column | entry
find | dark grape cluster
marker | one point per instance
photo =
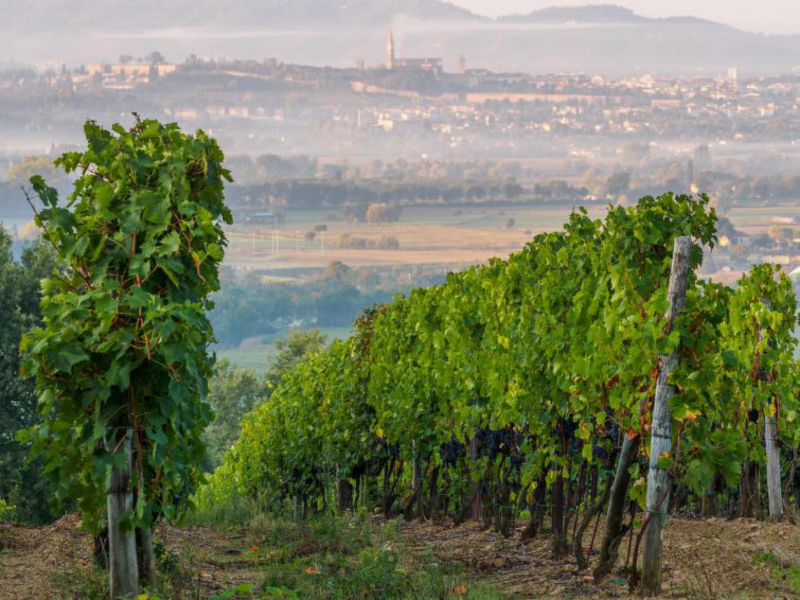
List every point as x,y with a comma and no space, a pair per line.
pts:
451,452
567,427
574,444
517,460
599,451
495,442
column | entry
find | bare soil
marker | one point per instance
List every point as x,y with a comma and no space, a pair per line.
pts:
703,559
706,559
31,558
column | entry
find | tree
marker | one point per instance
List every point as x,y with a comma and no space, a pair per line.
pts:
232,392
21,481
383,213
336,271
29,166
121,361
292,351
155,58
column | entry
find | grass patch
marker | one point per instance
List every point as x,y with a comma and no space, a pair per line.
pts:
784,577
239,553
358,559
72,584
353,557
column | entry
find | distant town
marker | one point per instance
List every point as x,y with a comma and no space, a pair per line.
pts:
409,98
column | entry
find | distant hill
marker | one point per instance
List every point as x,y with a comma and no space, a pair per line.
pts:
604,39
133,15
598,13
592,13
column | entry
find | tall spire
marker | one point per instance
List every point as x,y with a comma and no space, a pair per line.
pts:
390,51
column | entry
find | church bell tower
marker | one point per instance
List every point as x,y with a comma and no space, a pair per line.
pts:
390,51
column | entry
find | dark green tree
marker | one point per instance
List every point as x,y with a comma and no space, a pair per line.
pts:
22,483
232,393
293,350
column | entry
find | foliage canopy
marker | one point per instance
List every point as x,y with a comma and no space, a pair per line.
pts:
124,341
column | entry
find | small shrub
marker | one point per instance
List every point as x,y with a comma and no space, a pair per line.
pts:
352,242
388,242
383,213
6,509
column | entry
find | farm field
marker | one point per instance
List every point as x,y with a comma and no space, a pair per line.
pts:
446,236
703,559
757,219
255,353
450,237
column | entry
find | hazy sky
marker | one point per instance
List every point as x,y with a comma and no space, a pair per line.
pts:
768,16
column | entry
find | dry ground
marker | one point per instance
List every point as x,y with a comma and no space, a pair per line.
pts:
703,560
30,558
706,559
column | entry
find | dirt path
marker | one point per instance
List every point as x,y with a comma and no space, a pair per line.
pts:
707,559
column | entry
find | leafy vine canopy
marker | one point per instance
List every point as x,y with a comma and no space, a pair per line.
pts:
124,342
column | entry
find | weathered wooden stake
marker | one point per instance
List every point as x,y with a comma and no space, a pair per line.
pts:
661,430
123,566
774,492
344,495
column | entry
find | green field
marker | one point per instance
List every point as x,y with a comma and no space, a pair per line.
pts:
753,218
255,353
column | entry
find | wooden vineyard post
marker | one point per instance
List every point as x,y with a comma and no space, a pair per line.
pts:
661,430
774,494
122,562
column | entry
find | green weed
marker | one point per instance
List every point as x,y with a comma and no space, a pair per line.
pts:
782,575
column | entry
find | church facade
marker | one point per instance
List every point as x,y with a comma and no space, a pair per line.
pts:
435,65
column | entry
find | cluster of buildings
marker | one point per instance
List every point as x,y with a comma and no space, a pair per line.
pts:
434,65
123,75
416,99
724,106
